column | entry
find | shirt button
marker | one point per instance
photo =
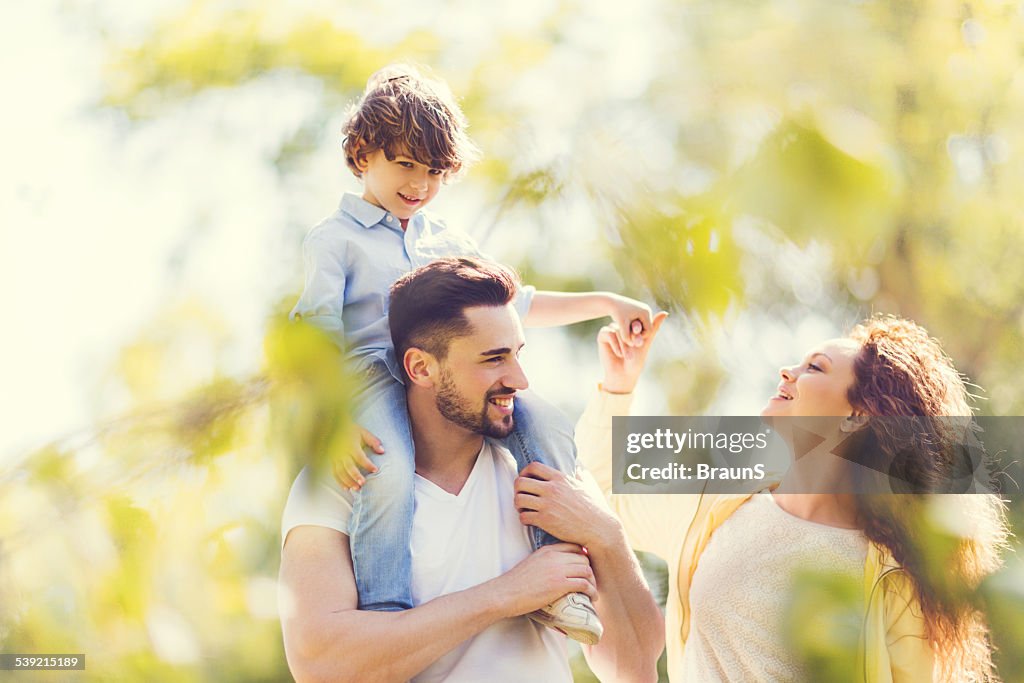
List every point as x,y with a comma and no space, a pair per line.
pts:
388,219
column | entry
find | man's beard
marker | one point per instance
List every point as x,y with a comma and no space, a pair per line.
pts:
458,410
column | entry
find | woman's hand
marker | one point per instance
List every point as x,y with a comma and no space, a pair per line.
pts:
623,364
632,319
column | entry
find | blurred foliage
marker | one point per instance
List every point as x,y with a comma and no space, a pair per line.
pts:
151,543
877,140
890,145
1004,604
313,393
824,620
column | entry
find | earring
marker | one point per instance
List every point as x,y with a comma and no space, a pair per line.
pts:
853,423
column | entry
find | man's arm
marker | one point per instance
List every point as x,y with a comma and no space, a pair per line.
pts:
327,639
634,633
634,629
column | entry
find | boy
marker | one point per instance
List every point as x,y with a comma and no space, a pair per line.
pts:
404,138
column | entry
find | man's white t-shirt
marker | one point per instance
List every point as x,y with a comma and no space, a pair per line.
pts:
457,542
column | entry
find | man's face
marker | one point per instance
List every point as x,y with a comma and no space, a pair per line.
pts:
481,373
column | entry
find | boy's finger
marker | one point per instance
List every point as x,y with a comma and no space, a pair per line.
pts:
343,477
355,476
638,329
624,339
371,441
364,462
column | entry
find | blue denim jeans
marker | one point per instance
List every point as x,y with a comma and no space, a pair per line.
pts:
381,525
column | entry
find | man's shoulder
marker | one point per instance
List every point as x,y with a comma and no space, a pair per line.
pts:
316,500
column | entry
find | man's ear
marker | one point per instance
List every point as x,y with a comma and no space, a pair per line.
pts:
853,423
421,367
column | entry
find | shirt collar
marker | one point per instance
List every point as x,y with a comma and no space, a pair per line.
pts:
365,213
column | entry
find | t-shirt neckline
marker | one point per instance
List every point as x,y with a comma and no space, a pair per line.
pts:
429,488
775,504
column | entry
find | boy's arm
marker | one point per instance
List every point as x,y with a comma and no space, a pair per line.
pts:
323,295
321,304
553,309
327,639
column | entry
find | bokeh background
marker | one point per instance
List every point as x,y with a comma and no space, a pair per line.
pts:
768,171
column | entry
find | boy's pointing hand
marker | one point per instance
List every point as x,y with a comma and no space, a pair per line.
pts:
622,364
633,319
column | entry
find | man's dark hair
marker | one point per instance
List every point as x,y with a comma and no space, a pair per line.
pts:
428,305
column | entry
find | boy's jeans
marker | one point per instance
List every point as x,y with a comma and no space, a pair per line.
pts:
381,524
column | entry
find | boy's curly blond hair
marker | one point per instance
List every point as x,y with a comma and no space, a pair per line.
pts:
405,111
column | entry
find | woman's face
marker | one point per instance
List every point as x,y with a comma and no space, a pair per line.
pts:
818,385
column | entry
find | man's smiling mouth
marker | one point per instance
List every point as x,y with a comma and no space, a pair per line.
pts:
504,403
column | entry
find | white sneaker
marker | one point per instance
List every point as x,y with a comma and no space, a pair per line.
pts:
574,615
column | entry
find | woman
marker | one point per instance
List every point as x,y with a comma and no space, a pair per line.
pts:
734,560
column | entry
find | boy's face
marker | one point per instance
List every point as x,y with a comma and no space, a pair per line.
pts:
401,185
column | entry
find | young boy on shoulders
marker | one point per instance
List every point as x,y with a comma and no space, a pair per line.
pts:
405,138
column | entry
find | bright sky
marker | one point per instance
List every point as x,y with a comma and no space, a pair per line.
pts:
103,225
99,221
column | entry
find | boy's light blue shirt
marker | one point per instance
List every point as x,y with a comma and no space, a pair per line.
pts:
354,256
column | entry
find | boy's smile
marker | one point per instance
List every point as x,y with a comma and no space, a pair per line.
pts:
401,186
411,201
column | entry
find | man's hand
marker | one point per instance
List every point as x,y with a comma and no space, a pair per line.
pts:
559,505
623,364
544,576
347,463
632,320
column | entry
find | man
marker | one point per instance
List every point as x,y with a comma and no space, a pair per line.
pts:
473,574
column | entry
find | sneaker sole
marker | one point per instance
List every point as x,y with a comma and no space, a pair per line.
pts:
583,636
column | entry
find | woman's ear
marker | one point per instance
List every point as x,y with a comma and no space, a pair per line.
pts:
853,423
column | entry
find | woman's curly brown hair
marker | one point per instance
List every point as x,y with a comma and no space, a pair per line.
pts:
403,111
902,372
